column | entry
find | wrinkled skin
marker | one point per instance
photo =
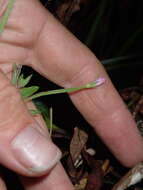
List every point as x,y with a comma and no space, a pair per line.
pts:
34,37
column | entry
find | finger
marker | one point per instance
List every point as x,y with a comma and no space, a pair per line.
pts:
24,148
55,180
63,59
2,183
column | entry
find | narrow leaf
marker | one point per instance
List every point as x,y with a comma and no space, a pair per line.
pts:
22,82
16,74
51,122
6,15
35,112
130,41
96,21
26,92
45,113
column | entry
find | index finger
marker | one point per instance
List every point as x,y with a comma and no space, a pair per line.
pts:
60,57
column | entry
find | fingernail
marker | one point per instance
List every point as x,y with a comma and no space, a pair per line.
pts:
34,151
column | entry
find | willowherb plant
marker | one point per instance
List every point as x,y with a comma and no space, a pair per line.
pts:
29,93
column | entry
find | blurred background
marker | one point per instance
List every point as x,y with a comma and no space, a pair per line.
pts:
109,28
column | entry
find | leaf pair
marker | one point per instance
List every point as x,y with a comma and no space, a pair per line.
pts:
28,93
20,82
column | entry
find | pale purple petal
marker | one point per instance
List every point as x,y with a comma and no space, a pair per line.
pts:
100,81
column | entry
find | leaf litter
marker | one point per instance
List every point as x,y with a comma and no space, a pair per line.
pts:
88,172
85,169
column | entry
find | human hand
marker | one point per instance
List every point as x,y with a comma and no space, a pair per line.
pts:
35,38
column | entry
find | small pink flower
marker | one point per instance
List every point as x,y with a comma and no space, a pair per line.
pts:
95,83
100,81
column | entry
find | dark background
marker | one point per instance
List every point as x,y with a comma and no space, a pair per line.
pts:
110,28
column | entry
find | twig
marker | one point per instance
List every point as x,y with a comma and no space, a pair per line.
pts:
131,178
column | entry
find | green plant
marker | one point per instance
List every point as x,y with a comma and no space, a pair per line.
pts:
6,15
31,92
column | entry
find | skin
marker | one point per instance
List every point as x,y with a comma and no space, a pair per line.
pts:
2,184
33,37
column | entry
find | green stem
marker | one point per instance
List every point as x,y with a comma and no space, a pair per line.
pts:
68,90
51,122
6,15
51,92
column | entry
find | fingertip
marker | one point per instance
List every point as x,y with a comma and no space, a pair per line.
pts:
2,183
35,152
56,179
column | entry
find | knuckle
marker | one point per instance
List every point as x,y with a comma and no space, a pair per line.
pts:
82,75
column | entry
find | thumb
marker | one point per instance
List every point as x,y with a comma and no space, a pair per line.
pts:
23,147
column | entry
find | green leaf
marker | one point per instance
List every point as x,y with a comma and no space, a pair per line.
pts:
35,112
22,82
5,17
46,116
16,74
28,91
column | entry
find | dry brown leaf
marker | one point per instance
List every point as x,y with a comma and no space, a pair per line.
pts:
131,178
81,185
66,9
77,143
95,174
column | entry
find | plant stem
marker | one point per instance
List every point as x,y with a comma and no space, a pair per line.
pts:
6,15
51,122
93,84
